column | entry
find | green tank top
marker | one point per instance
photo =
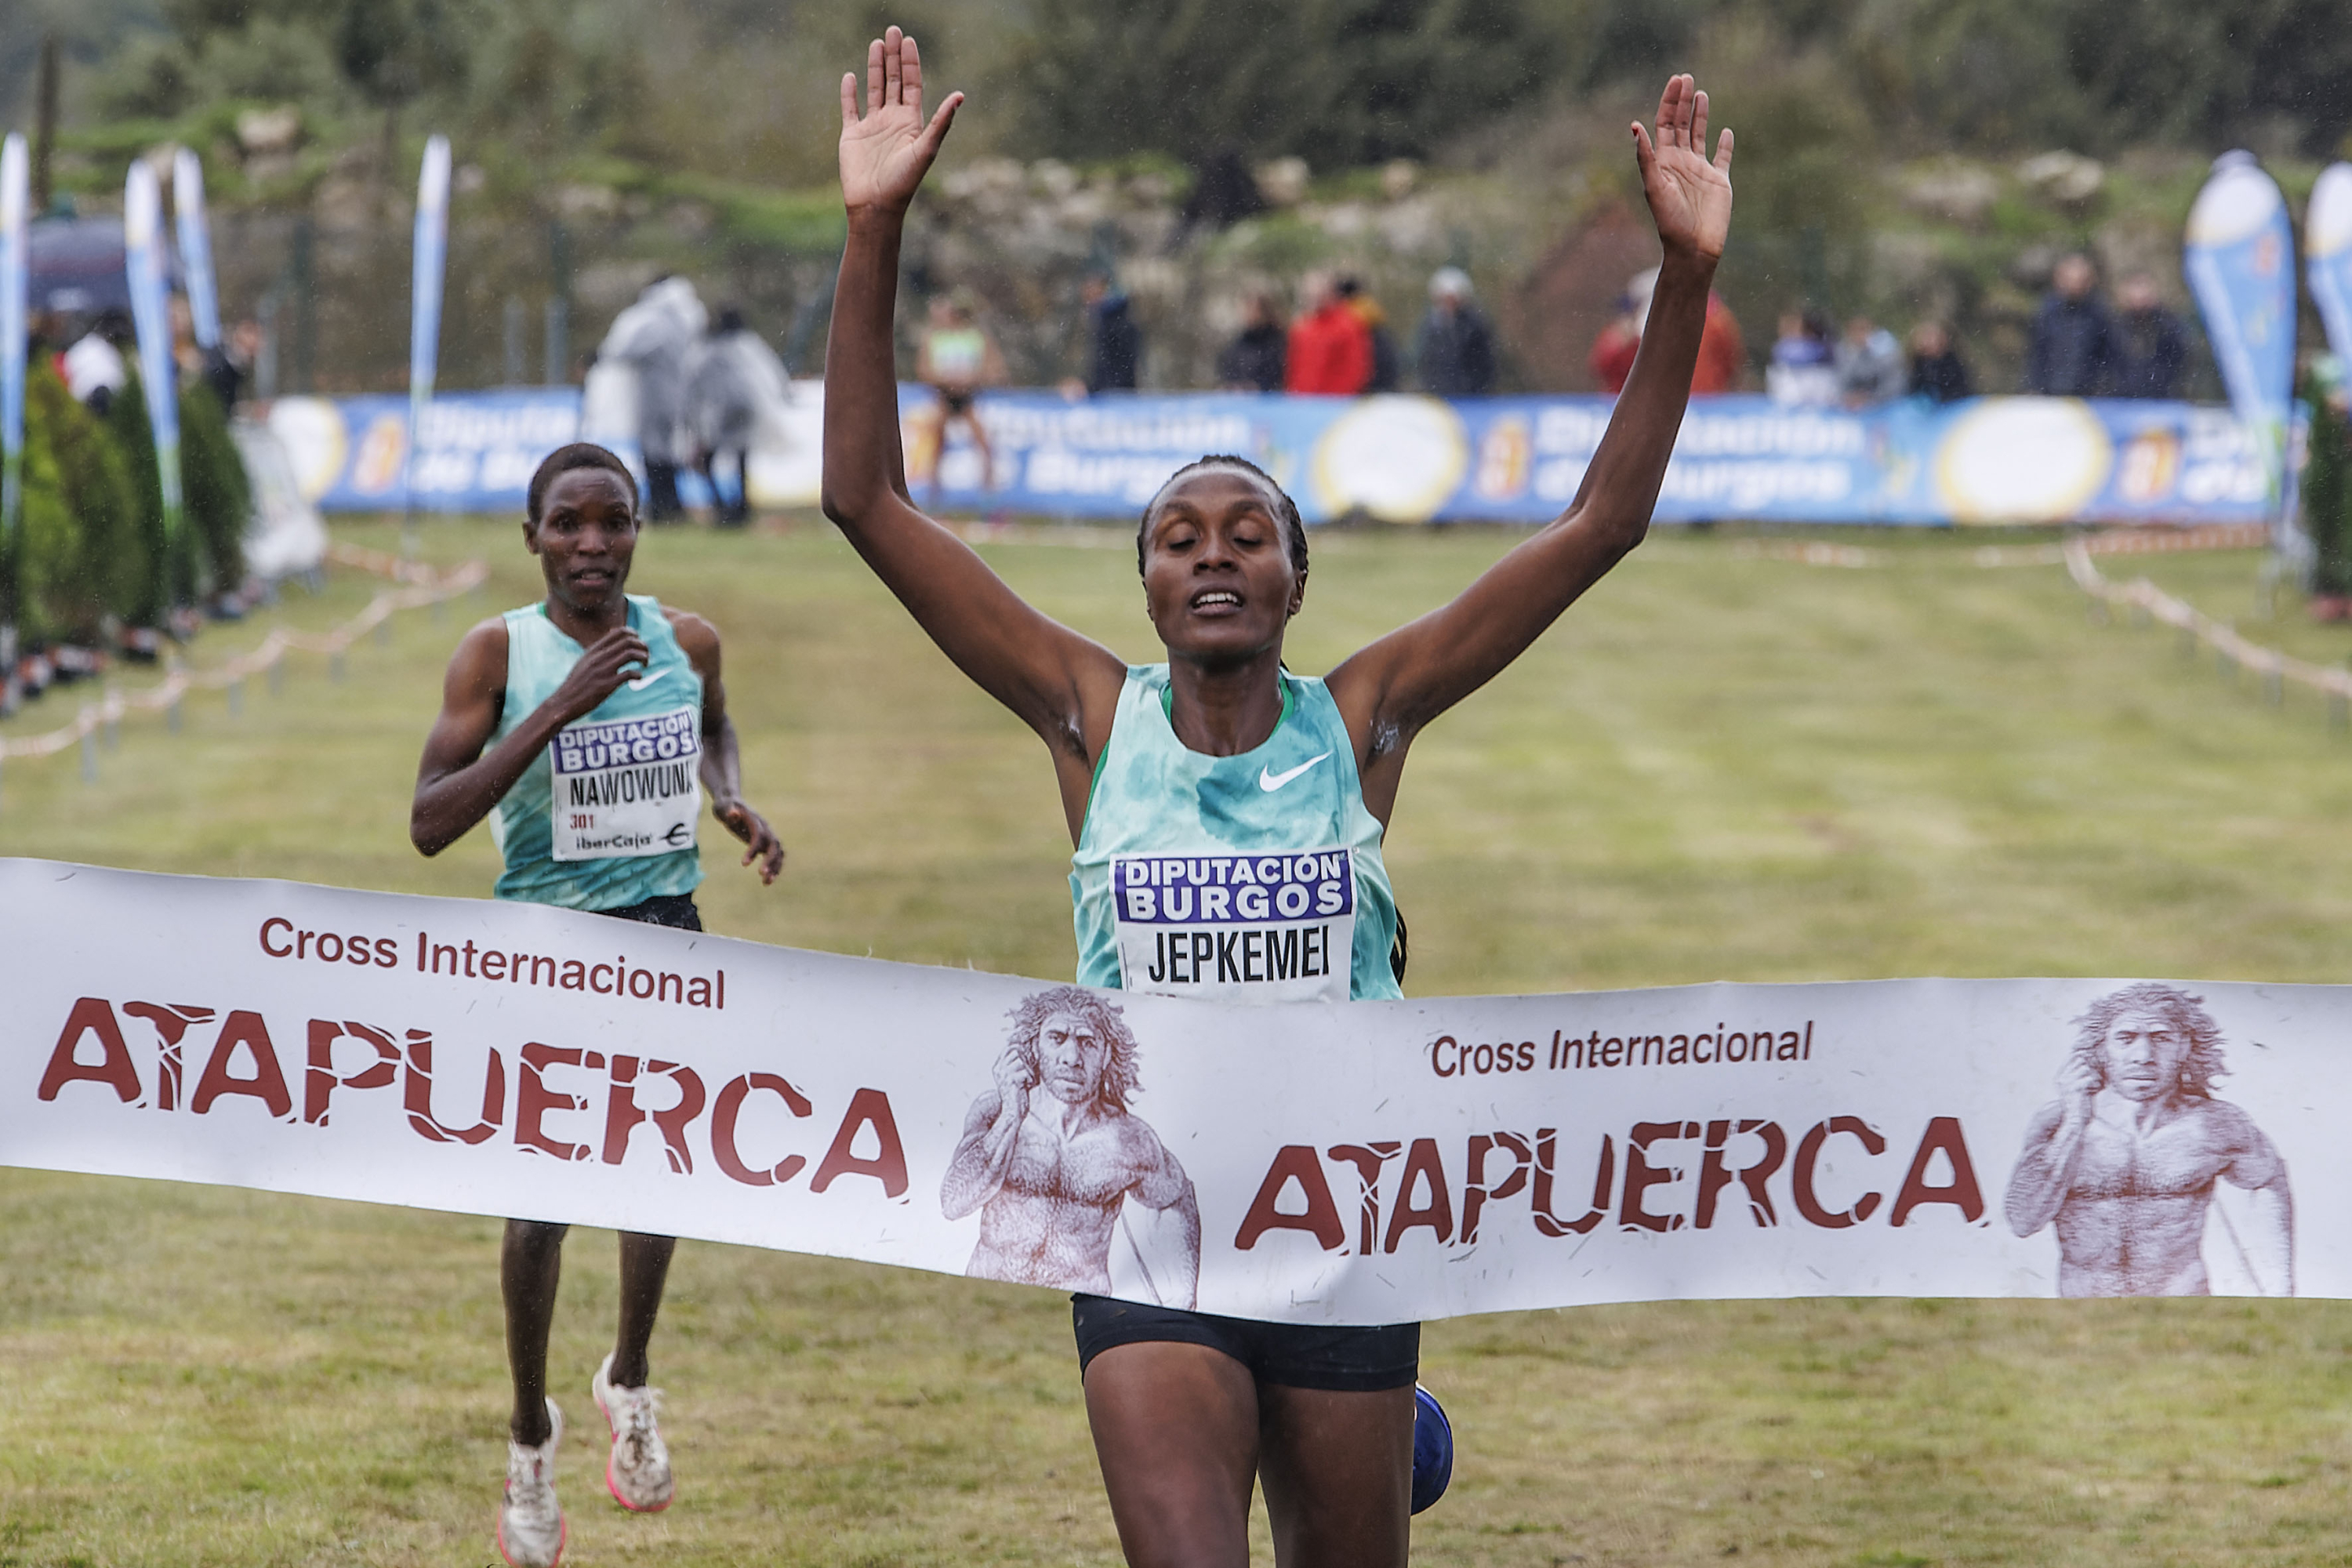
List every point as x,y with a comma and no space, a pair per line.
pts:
605,818
1251,878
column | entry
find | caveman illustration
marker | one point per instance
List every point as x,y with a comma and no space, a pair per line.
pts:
2124,1160
1051,1157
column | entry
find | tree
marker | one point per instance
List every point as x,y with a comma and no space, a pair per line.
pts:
1338,81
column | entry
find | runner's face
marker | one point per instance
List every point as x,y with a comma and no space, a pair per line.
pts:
2144,1052
1217,578
585,537
1070,1055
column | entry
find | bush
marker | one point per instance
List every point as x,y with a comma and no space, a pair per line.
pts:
218,496
160,584
79,558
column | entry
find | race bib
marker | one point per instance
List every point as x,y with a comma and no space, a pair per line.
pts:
626,786
1245,927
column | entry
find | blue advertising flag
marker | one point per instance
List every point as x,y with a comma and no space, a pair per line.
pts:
2327,252
2239,261
14,200
425,319
142,256
195,237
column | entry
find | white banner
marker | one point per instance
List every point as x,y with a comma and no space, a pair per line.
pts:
1350,1162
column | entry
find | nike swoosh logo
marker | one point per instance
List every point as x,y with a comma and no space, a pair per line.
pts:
641,682
1272,782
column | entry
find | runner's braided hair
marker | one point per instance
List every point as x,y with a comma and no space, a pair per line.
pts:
563,460
1285,511
1120,1078
2184,1013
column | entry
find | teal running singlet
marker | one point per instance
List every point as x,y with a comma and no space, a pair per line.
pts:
1256,878
604,818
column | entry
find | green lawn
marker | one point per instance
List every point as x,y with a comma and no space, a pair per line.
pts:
1722,767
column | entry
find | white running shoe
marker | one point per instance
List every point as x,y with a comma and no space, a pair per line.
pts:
530,1521
638,1475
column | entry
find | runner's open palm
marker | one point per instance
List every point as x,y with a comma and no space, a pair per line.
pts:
885,155
1690,197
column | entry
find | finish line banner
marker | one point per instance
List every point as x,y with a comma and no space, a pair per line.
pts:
1352,1162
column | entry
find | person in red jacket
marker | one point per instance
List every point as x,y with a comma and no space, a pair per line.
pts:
1722,355
1330,347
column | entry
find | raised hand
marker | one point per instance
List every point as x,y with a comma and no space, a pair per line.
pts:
886,155
619,655
1690,197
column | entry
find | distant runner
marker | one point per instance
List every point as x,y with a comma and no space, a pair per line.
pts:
604,720
1222,753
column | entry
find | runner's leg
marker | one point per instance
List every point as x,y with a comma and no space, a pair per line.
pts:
530,1262
1338,1472
644,1268
1176,1431
987,458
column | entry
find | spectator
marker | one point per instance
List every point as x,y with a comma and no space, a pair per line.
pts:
955,360
731,379
1388,367
653,338
1869,365
2147,348
1456,352
94,368
1722,352
1611,360
1330,350
2072,345
1802,372
1114,350
1938,372
1253,362
229,367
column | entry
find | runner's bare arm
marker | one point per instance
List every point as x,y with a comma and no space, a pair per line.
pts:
1063,685
457,783
722,763
1396,685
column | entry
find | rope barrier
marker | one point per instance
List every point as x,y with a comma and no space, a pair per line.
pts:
2199,629
424,587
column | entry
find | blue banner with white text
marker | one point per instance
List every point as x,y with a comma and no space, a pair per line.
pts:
1399,460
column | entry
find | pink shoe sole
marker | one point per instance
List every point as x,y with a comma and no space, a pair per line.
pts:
562,1539
613,1434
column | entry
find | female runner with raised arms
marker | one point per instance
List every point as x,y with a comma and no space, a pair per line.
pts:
1220,750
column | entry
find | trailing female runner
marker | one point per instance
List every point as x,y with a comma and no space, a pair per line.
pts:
552,702
1223,750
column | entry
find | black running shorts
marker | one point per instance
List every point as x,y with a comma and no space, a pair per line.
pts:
675,910
1287,1355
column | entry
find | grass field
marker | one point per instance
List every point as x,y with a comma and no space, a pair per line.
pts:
1722,767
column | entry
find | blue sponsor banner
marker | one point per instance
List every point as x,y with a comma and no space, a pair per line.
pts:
1520,459
475,450
1403,460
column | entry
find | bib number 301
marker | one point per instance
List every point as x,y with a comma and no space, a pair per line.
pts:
626,786
1247,928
